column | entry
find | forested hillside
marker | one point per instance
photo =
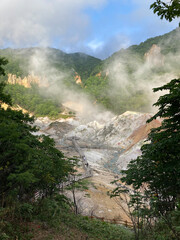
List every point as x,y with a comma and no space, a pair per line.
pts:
31,100
121,82
19,61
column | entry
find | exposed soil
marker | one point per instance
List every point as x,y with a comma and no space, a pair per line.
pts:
107,148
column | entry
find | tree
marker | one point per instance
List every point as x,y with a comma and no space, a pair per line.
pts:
132,204
4,98
169,10
77,185
155,175
159,165
157,171
28,163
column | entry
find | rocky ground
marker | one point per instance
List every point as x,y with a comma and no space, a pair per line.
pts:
108,147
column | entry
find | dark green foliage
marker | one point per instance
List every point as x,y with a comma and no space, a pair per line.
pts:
94,72
168,10
3,62
159,164
156,173
33,101
157,170
19,61
93,228
4,97
165,229
28,164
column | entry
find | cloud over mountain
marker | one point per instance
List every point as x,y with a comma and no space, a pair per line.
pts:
43,22
96,27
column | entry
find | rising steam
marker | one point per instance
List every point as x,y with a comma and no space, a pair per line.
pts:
53,80
129,74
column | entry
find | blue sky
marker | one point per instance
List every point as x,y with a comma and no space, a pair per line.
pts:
96,27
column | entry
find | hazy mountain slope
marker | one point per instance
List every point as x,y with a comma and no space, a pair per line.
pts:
169,43
19,60
120,83
50,69
128,76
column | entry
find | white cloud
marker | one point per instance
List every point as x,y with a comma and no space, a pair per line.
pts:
113,44
40,22
95,44
141,23
66,24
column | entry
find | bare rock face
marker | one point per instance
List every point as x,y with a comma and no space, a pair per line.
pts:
58,128
116,133
27,81
108,147
154,56
113,144
77,78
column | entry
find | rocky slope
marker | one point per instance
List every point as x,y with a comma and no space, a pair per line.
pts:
106,144
108,147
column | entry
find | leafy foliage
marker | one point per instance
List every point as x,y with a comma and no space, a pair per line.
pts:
33,101
159,164
29,165
94,72
96,229
169,10
155,175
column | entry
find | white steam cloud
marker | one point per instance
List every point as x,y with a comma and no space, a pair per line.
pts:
53,80
127,76
153,71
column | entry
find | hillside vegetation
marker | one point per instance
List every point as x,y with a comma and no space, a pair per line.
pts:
31,100
124,72
32,173
114,82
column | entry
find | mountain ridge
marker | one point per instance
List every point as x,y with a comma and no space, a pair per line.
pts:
113,82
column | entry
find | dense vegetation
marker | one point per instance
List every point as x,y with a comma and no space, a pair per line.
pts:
31,100
154,206
98,76
32,171
20,61
31,166
168,10
28,164
155,175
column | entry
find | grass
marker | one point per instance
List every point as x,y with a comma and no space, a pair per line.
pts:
78,225
53,219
